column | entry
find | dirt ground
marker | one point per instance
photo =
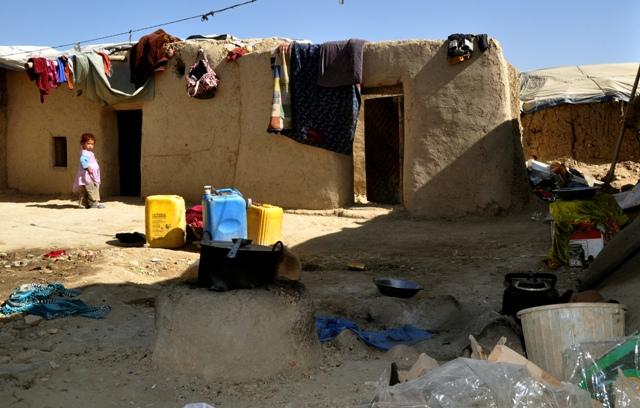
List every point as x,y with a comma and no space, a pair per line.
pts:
79,362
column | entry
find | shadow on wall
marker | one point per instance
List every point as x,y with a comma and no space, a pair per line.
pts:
480,170
479,181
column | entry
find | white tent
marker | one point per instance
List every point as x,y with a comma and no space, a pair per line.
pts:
576,84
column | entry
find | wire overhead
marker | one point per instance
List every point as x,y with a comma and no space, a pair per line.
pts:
203,17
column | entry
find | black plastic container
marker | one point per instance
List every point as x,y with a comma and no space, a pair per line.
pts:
575,193
223,267
525,290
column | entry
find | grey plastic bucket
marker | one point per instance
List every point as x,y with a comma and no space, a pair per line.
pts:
550,330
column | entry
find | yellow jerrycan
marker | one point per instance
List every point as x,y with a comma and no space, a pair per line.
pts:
264,224
165,224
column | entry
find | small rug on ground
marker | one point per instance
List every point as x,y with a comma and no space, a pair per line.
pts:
50,301
329,327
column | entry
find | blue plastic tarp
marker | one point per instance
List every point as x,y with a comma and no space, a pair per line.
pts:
329,327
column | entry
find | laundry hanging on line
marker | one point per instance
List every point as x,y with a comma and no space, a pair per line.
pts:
44,72
50,73
281,103
340,63
151,53
94,84
320,116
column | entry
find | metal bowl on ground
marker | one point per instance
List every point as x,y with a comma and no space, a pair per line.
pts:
401,288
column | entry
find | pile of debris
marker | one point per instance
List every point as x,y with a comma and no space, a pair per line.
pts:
504,378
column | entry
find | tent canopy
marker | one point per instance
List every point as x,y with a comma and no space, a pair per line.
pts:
549,87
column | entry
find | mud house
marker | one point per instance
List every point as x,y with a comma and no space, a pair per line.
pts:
577,111
440,139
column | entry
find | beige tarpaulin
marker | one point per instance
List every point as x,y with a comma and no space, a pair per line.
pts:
576,84
91,79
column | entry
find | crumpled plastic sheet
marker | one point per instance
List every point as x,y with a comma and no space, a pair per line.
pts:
596,366
473,383
626,391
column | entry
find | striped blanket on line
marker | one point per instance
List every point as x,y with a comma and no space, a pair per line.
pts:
281,105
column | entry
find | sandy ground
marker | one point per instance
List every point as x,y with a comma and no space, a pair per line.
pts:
79,362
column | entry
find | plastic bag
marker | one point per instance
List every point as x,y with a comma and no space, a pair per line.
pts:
202,81
472,383
595,367
626,391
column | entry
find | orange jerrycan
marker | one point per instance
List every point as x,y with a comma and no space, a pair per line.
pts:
165,223
264,224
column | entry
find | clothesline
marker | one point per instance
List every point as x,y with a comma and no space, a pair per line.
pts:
111,57
203,17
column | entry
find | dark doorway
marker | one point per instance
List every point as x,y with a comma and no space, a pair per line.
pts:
129,145
383,141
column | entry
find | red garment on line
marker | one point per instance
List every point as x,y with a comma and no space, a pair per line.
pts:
106,62
236,53
45,77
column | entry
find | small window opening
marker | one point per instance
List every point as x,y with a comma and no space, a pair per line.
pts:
59,151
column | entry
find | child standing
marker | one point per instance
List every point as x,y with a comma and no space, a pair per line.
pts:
87,181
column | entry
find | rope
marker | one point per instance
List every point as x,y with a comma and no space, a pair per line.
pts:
202,17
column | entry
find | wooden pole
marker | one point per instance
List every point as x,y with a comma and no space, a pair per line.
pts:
608,178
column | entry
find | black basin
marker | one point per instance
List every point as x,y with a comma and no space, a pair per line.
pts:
575,193
397,287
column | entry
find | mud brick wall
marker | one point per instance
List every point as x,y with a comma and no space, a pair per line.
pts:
585,132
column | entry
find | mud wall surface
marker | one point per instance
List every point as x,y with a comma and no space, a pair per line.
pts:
236,336
461,141
359,163
586,132
188,142
222,141
31,126
461,149
3,128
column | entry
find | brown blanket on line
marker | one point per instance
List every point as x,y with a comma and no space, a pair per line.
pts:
149,54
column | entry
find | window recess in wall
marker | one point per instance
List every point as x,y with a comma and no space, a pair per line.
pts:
59,151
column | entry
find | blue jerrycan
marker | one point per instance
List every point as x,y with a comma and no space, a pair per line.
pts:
224,214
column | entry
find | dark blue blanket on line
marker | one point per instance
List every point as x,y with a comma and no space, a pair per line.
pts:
329,327
322,117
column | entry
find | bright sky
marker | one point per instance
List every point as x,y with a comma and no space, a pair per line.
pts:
533,33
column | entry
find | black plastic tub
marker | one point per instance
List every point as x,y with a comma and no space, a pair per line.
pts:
251,266
397,287
575,193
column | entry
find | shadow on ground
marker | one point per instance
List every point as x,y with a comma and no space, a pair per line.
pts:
53,206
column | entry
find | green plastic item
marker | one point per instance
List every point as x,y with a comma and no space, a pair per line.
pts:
599,376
